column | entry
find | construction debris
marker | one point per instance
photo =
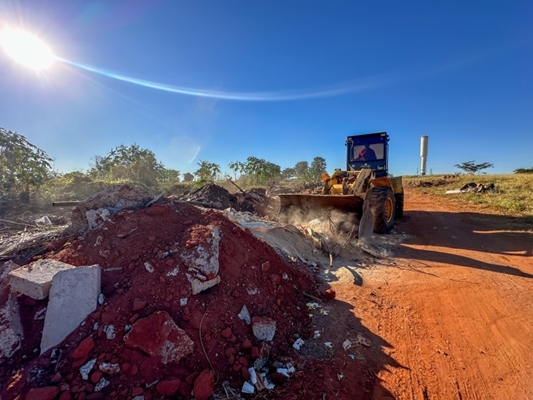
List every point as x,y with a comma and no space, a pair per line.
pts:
473,187
147,297
180,312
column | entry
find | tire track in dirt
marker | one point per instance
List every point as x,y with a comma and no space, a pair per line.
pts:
462,320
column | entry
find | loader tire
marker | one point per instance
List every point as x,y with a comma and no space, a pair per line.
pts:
398,209
381,202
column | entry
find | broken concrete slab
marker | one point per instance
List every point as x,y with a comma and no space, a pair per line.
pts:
11,332
73,296
90,213
158,335
202,258
34,280
264,328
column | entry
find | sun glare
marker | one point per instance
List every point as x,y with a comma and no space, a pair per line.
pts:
26,49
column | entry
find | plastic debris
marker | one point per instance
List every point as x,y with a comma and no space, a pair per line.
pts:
328,345
316,335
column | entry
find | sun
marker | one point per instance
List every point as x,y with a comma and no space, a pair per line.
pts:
26,49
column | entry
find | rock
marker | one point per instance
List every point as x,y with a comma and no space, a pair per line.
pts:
86,368
204,385
246,344
73,296
168,387
109,368
245,315
158,335
264,328
138,304
44,393
226,333
329,294
35,279
95,377
65,395
275,279
85,346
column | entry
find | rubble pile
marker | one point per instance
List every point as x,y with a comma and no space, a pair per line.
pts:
217,197
190,302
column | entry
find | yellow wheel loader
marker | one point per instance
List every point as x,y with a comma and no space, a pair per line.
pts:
364,188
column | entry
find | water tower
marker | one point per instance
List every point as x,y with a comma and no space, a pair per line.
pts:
423,154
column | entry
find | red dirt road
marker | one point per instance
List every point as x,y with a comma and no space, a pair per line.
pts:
451,313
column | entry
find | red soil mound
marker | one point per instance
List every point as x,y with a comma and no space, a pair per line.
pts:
143,258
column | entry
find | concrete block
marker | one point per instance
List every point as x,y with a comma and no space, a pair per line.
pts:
11,332
34,280
73,296
264,328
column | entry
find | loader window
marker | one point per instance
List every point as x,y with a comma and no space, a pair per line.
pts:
368,152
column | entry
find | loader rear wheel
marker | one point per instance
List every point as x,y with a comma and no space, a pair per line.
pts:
382,204
398,211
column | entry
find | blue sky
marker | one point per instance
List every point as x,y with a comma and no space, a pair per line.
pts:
306,73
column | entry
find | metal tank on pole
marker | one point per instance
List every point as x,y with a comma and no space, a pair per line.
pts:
423,154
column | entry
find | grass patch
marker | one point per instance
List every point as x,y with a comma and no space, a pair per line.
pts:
513,193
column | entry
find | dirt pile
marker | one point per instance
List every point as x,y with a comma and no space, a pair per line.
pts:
189,301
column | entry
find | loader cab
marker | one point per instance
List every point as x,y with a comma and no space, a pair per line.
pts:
368,151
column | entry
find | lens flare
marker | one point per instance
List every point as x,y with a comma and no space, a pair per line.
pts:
26,49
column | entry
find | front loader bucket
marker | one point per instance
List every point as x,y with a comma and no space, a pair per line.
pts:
309,204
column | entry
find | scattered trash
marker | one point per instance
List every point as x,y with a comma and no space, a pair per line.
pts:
473,187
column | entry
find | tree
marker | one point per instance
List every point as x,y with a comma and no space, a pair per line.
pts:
288,173
207,172
168,177
22,164
260,170
237,167
129,163
318,167
302,170
471,167
188,177
523,171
